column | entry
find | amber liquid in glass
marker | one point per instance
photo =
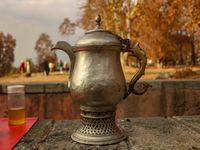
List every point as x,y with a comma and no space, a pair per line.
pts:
16,116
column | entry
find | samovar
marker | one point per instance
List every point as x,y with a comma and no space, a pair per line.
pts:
97,83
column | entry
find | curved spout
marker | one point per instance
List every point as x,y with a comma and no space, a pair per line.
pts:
66,47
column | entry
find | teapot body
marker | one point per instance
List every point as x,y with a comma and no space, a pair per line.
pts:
98,78
97,82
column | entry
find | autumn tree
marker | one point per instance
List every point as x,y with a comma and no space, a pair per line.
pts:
151,28
188,21
191,20
43,48
67,27
165,29
7,45
117,16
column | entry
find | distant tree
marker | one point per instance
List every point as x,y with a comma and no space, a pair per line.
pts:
43,48
7,45
67,27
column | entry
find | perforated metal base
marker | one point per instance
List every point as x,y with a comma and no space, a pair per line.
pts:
98,128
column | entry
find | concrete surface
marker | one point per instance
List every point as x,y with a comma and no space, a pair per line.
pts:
156,133
61,87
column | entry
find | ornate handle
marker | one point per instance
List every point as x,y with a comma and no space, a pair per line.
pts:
140,55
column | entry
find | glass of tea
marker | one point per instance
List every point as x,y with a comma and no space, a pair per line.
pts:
16,104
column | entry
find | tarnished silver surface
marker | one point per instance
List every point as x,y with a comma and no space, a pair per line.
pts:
97,82
98,79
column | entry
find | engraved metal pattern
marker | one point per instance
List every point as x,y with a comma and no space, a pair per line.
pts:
100,126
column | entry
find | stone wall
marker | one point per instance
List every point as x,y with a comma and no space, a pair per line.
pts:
166,98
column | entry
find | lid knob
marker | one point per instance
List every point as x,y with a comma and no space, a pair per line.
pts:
98,19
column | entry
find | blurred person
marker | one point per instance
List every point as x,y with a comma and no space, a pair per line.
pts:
65,66
28,69
22,67
51,66
45,65
61,66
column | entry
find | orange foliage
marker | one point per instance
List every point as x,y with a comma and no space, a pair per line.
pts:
164,28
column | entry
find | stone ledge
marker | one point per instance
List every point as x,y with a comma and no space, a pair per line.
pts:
142,133
34,88
36,135
38,87
61,87
191,122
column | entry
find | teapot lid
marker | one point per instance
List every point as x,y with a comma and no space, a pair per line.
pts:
98,37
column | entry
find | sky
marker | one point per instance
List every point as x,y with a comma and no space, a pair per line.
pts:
26,20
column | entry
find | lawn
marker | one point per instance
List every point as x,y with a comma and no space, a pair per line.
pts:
57,76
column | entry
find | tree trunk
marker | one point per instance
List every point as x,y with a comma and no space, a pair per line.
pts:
193,53
181,54
128,24
119,32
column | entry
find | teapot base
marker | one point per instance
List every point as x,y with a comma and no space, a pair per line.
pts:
98,128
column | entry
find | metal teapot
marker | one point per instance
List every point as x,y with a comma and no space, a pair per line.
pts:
97,82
